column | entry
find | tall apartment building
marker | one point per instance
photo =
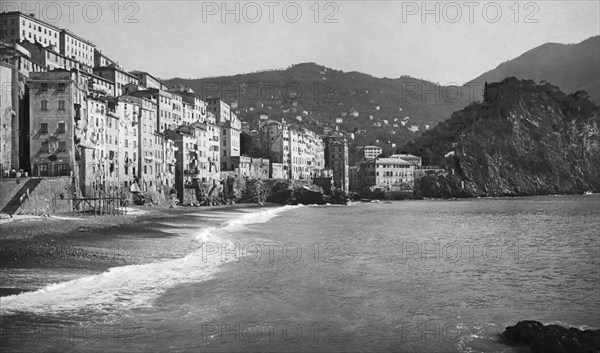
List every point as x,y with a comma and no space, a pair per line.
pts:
148,169
177,113
336,158
128,141
17,27
56,100
194,109
165,113
314,153
214,147
93,162
9,123
220,108
274,136
191,156
230,142
77,48
300,151
119,77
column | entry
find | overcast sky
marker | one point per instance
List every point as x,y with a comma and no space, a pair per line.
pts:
381,38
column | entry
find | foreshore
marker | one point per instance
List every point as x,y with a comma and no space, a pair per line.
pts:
92,244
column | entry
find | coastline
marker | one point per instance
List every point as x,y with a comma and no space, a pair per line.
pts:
70,242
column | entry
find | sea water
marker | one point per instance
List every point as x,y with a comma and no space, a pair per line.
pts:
409,276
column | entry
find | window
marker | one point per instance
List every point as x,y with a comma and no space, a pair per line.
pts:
62,146
61,127
61,85
61,105
43,169
44,86
43,128
62,169
44,105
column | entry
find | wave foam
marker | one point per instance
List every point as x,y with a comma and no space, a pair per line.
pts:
133,285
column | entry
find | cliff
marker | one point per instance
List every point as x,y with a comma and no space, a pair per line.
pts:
523,139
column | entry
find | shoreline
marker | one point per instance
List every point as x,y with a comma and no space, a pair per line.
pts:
69,242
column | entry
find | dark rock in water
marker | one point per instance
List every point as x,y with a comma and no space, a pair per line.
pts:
281,197
552,338
308,197
299,195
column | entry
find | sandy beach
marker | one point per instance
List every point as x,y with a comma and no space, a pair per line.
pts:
83,245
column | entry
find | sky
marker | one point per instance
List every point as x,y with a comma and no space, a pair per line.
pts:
441,41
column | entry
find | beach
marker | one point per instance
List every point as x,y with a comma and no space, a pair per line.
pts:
84,245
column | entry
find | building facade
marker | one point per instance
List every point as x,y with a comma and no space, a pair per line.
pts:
55,109
371,152
386,174
336,159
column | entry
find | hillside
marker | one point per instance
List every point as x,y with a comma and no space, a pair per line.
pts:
571,67
378,110
523,139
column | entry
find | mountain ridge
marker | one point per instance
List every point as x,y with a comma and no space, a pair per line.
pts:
572,67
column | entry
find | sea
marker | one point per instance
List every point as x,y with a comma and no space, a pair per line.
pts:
400,276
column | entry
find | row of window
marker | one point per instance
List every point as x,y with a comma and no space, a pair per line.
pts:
44,128
60,147
44,105
60,86
60,169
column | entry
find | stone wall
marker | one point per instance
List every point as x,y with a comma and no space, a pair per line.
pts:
46,199
8,189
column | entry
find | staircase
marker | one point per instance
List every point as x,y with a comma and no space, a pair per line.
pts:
19,198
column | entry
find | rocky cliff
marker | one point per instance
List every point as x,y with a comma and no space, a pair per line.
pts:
523,139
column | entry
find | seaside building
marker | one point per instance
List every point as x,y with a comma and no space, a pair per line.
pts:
145,143
386,174
9,122
93,164
55,109
354,178
336,158
230,142
300,151
189,163
251,167
214,150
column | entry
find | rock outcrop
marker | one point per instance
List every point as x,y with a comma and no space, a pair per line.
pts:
523,139
552,338
299,195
